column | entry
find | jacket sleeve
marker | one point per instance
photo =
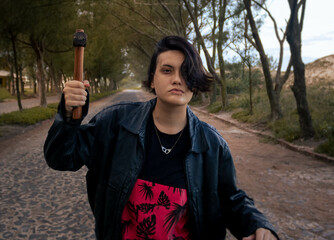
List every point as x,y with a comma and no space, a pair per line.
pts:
69,145
242,217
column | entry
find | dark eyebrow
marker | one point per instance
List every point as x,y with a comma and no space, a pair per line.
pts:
167,65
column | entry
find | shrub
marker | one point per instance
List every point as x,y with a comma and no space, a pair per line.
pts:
285,128
29,116
36,114
97,96
4,94
215,107
327,147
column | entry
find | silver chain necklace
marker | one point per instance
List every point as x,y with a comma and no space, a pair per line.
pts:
163,149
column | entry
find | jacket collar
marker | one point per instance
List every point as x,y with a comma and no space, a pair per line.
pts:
136,123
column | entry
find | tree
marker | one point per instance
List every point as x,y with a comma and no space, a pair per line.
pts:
245,51
221,39
201,41
295,27
45,32
11,26
273,86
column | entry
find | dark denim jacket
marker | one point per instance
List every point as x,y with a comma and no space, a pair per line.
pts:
111,145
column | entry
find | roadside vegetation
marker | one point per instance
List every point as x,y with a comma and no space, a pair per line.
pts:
321,104
36,114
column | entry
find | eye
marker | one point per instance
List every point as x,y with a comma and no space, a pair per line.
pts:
166,70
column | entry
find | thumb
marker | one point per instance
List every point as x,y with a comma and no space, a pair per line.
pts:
251,237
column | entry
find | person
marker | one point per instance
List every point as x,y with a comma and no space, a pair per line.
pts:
155,171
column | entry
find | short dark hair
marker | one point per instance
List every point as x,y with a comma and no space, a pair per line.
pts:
192,69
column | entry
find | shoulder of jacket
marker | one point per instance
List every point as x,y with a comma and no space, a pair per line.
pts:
118,110
212,133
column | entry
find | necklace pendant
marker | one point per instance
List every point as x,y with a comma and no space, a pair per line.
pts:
165,150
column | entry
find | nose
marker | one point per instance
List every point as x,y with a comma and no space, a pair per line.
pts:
177,79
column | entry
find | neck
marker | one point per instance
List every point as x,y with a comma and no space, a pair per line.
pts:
170,120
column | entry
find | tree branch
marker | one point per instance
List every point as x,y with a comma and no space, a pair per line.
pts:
303,14
271,17
141,49
133,28
141,15
164,6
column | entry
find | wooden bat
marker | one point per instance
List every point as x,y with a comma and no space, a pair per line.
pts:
79,44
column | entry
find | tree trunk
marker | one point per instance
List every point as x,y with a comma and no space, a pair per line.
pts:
13,39
275,110
213,94
12,81
21,81
39,51
299,86
35,86
221,22
250,89
200,40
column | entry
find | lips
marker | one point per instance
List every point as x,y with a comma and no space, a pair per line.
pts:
176,90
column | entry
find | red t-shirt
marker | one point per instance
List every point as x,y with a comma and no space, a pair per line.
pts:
155,211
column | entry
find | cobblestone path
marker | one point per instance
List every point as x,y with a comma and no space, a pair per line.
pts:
37,202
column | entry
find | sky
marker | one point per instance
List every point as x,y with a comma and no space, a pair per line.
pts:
317,34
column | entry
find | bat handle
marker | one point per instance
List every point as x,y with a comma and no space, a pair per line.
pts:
78,75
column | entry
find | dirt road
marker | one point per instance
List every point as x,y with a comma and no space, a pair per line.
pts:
295,192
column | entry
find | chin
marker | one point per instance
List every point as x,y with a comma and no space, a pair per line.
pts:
179,102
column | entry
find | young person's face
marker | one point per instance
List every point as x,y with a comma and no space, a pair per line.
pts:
168,83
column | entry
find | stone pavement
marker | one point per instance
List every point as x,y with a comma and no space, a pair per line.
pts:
39,203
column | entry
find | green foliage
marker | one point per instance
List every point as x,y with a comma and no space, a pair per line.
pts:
215,107
29,116
238,81
326,147
97,96
286,128
4,94
234,86
321,103
36,114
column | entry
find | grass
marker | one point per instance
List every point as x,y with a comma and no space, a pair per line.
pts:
4,94
321,105
215,107
97,96
326,147
29,116
34,115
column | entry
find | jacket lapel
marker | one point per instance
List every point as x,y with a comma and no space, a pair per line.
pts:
136,123
197,136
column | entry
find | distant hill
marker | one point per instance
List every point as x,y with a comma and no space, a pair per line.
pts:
321,71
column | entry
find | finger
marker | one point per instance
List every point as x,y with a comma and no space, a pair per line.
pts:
74,97
260,233
74,91
72,104
75,84
251,237
269,236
